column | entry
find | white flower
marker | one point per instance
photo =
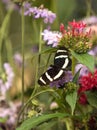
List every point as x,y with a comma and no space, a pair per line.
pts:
51,37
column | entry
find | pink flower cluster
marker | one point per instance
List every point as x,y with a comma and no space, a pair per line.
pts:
75,29
87,83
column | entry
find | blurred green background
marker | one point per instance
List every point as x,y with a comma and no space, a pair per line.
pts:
66,10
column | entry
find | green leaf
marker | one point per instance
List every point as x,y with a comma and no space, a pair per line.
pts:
34,121
71,99
92,98
5,25
85,59
76,77
48,125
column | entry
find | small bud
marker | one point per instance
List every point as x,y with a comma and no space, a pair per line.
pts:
70,87
35,102
82,47
32,113
54,106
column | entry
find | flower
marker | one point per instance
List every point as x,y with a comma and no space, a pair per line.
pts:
51,37
83,99
93,51
6,78
74,29
40,12
77,25
75,38
87,83
27,5
67,78
84,70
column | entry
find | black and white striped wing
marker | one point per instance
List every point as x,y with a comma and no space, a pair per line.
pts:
52,74
61,59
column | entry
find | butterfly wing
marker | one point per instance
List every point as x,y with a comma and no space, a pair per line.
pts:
61,59
53,73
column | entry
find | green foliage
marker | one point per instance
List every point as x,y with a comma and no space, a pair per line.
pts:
4,27
92,98
48,125
76,77
10,33
85,59
71,99
34,121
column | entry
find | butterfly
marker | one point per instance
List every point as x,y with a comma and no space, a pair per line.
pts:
56,71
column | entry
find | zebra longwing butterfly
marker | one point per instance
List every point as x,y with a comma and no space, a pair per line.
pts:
56,71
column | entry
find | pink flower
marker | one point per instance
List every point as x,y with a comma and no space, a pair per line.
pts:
88,81
75,29
77,25
83,99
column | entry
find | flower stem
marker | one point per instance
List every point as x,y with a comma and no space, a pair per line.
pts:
40,42
86,126
69,124
73,65
39,56
89,8
23,31
30,99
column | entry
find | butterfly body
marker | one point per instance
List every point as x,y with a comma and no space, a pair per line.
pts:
56,71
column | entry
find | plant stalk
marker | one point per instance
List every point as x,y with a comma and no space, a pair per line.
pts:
23,32
29,100
39,56
69,124
73,65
